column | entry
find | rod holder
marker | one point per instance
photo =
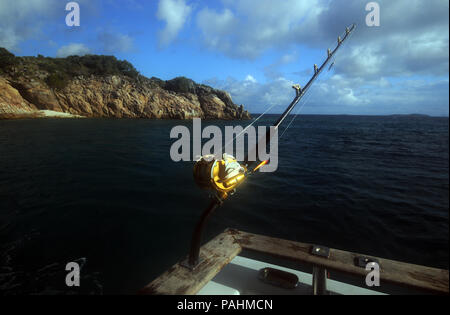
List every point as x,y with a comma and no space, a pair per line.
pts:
319,282
194,254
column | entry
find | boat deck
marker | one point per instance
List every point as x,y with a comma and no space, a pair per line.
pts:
240,277
238,273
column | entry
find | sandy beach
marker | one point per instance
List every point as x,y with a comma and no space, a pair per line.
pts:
53,114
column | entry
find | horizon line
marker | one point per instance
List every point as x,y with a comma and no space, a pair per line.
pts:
382,115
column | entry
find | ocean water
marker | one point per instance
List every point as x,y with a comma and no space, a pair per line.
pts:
105,193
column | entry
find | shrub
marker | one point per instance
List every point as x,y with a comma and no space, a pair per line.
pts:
57,80
7,59
62,69
181,84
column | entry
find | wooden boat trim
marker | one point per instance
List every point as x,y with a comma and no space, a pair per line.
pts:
180,280
409,275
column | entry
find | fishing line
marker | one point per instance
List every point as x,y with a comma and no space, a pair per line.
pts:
235,137
294,116
208,174
305,101
320,78
259,117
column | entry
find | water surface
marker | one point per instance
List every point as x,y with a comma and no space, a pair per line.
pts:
107,191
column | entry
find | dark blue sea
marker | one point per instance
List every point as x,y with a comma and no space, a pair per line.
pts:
105,193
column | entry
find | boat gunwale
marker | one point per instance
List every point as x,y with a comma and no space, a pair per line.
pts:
221,250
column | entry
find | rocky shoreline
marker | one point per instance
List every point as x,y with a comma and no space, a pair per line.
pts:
30,85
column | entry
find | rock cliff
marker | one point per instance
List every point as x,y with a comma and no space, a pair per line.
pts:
102,86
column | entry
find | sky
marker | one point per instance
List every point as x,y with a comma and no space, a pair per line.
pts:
257,49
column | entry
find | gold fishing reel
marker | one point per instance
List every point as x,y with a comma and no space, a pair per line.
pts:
221,176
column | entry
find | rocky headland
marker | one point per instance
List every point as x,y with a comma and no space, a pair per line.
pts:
102,86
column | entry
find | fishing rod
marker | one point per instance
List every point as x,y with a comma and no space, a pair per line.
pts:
222,177
300,92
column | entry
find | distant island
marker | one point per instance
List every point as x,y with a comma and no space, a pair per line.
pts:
410,115
102,86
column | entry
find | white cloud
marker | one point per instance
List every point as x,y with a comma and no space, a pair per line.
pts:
341,95
245,29
215,27
72,50
22,19
175,13
250,78
374,72
255,96
413,37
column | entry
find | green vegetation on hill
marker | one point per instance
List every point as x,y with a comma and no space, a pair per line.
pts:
181,85
7,59
62,70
